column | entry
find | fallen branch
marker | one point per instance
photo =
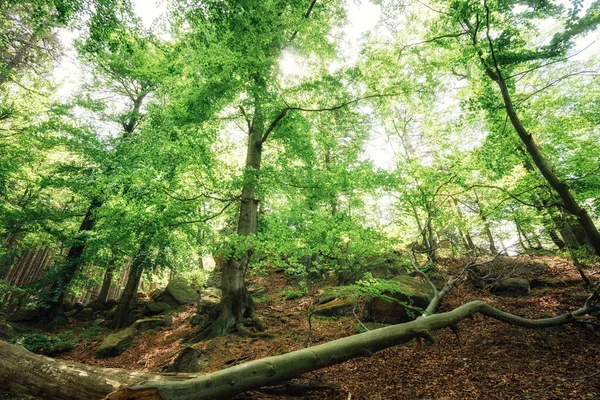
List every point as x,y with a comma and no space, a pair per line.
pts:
51,379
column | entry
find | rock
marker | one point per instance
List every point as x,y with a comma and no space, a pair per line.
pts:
414,293
26,315
211,293
157,307
86,314
59,322
257,290
6,331
206,306
386,271
187,360
115,344
514,287
181,291
336,307
145,324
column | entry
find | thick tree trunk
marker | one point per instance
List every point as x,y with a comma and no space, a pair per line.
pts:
62,380
27,374
128,299
236,304
73,261
106,282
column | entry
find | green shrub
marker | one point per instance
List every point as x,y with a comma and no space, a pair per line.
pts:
40,343
91,333
291,294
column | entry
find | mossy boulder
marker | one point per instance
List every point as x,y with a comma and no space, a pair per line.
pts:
145,324
178,292
187,360
181,291
403,305
115,344
512,287
27,315
337,307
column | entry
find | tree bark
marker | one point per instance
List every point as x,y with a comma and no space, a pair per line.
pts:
27,374
236,303
106,282
535,151
128,299
71,266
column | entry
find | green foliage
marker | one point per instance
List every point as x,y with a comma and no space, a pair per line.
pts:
369,287
52,345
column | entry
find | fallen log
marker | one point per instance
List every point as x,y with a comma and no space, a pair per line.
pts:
22,372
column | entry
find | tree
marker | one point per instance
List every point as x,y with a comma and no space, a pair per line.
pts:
509,55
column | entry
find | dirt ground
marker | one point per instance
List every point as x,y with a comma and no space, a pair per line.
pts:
487,360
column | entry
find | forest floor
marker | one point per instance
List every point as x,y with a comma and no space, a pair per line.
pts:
488,360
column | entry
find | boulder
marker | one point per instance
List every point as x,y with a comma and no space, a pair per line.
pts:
6,331
337,307
386,271
86,314
513,287
158,307
115,344
187,360
181,291
26,315
401,306
145,324
205,306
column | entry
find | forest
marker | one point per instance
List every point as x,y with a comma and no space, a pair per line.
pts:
318,199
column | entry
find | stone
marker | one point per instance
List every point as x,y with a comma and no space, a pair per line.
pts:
27,315
145,324
157,307
6,331
187,360
86,314
206,306
513,287
337,307
115,344
181,291
257,290
398,307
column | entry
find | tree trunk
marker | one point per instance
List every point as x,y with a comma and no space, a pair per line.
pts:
535,151
236,304
106,282
55,379
128,299
486,226
72,263
27,374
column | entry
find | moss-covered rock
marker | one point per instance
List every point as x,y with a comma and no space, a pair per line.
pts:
187,360
146,324
115,344
514,287
181,291
401,305
337,307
